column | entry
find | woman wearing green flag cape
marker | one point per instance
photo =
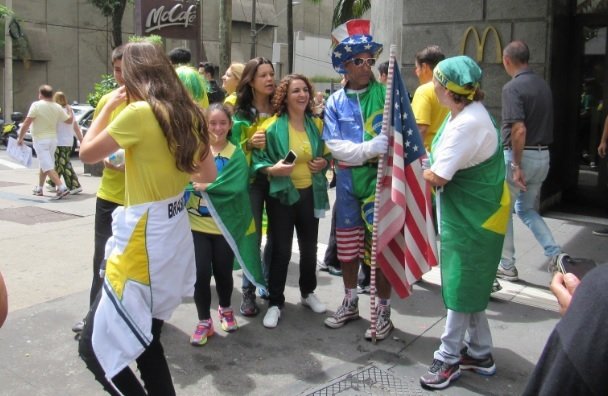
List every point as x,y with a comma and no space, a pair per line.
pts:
297,192
467,165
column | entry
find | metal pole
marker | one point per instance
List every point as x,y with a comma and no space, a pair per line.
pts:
8,65
379,187
253,29
289,36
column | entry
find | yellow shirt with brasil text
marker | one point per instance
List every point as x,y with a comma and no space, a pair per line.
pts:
147,156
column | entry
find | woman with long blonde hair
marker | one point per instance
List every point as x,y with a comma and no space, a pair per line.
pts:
150,256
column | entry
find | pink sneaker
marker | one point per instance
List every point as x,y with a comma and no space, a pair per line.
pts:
227,319
204,329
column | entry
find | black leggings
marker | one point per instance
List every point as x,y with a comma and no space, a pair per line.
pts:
151,364
213,257
103,231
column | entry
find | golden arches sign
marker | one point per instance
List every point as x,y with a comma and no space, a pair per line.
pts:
481,42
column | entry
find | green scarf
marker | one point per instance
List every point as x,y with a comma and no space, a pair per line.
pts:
277,147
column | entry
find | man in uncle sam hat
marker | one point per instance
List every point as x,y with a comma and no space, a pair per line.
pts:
352,125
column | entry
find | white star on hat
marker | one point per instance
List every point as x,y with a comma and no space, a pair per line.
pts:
348,48
338,54
364,39
367,46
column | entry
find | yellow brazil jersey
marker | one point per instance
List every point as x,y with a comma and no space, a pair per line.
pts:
300,144
112,186
428,111
151,173
200,218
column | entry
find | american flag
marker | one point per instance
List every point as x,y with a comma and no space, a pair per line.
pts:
406,243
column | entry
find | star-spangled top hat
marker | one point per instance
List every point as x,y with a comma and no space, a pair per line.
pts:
350,39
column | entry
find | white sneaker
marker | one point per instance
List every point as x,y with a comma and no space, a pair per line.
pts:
60,194
76,190
313,303
271,319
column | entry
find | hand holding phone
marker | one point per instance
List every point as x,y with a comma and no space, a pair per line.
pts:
578,267
290,158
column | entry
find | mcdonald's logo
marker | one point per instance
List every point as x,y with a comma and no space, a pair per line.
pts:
481,42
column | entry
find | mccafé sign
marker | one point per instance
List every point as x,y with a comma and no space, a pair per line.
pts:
167,18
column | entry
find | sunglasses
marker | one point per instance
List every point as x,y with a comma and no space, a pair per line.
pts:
360,61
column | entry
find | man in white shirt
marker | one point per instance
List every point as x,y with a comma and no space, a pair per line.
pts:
43,116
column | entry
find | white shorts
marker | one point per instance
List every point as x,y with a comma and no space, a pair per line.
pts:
45,151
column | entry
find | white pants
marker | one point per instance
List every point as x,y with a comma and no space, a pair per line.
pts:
465,329
45,151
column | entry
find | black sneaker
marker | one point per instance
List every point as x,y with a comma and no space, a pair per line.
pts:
440,375
483,366
248,305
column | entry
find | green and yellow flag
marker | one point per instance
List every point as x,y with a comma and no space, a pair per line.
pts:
228,202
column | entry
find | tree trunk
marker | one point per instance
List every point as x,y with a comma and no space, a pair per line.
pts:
225,35
117,23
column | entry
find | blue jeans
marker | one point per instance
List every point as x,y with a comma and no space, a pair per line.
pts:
535,165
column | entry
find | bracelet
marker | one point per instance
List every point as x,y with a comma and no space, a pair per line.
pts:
514,166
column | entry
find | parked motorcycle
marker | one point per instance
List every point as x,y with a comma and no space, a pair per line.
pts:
11,129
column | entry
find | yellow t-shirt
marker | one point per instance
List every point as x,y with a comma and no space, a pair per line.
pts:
428,111
46,115
231,99
151,174
200,218
112,185
300,144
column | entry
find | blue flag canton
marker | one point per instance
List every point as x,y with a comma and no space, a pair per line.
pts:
403,120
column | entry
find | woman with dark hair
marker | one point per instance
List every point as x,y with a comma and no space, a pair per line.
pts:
150,256
467,166
253,107
298,190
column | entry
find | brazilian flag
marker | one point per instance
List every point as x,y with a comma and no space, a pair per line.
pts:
229,205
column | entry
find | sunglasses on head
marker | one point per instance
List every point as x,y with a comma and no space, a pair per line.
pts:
360,61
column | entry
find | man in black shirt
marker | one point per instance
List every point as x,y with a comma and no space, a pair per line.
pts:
214,93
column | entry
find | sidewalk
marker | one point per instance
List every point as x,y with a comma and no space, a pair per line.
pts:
47,267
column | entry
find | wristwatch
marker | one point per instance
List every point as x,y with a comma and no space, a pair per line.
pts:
514,166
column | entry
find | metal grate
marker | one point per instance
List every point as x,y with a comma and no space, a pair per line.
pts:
370,381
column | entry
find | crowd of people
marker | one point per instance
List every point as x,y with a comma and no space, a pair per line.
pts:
179,152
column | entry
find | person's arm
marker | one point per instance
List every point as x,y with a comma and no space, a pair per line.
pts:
206,170
97,143
518,141
3,301
423,128
433,179
24,128
77,131
563,286
601,149
70,118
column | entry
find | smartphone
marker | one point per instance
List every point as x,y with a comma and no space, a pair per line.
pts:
290,158
578,267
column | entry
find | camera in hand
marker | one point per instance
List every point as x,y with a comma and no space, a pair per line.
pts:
290,158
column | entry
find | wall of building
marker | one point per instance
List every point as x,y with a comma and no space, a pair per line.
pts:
79,48
427,22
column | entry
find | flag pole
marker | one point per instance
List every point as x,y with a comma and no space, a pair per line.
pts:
379,178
